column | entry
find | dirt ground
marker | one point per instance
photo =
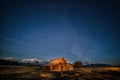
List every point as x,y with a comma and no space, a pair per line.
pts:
35,73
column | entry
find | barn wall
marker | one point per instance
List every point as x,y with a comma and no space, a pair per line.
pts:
63,67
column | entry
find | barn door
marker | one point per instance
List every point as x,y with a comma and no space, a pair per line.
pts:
61,68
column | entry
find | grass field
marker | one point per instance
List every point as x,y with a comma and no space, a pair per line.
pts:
35,73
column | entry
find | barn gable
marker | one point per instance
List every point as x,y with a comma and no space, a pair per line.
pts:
58,61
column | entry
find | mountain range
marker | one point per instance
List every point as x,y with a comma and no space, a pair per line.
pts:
26,61
39,62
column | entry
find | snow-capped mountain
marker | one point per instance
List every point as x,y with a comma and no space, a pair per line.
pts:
35,61
9,59
27,61
30,60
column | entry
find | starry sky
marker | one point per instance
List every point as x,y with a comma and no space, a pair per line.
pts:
85,30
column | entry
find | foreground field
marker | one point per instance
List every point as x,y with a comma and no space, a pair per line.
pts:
35,73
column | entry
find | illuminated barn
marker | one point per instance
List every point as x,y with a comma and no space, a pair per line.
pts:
60,64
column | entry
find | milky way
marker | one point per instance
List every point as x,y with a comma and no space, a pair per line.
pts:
77,30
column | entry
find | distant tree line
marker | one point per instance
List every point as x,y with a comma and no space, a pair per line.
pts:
77,64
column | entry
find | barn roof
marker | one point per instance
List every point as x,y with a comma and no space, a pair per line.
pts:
58,60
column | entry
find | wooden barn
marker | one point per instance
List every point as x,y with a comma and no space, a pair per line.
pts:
60,64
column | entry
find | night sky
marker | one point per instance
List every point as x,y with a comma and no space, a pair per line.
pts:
85,30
